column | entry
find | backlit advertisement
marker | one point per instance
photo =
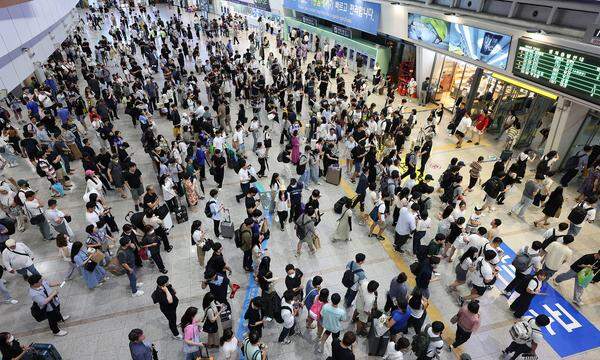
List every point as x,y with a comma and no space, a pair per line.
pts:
429,30
487,46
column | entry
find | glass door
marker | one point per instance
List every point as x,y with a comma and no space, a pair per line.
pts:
589,134
536,109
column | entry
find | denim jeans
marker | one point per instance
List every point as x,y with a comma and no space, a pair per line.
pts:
574,229
314,173
305,178
577,290
31,269
4,291
522,206
132,280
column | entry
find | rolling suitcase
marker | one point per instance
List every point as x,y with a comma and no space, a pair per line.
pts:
334,175
45,352
227,228
181,215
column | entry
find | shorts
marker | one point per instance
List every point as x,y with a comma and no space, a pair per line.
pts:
136,193
357,166
480,289
488,201
334,335
459,134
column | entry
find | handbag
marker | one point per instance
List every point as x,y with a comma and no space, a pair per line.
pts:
208,326
38,219
585,277
162,211
268,143
90,266
68,218
97,257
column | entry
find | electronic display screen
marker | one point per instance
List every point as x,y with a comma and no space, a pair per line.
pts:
478,44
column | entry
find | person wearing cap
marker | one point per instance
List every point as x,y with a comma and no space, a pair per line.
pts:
166,298
126,258
17,257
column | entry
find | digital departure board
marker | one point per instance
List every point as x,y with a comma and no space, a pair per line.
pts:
569,71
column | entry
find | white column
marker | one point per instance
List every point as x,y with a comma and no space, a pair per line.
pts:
566,124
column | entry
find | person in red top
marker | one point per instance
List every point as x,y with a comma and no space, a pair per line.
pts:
481,124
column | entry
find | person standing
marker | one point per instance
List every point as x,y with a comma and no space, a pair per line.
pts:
35,212
575,165
166,298
342,350
527,259
332,317
365,303
406,225
474,173
218,163
126,257
436,343
46,299
467,321
288,314
138,349
528,289
358,276
557,254
58,219
424,92
216,208
17,257
461,129
344,223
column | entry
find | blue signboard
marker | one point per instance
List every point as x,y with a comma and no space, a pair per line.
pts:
569,332
490,47
357,14
258,4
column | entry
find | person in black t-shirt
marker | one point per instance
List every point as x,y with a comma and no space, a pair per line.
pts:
10,348
293,281
133,180
250,201
165,296
254,316
218,165
342,350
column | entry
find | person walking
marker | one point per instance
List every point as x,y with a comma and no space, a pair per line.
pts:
552,207
575,165
467,322
35,212
343,349
47,301
589,263
358,275
527,290
166,298
288,314
344,223
528,344
531,188
332,317
58,219
138,348
18,257
557,254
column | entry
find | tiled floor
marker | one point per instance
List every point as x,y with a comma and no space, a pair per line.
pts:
102,318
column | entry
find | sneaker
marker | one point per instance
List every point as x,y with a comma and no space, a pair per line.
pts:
163,271
61,333
178,337
555,283
66,317
11,301
221,237
137,293
268,319
286,342
506,293
140,284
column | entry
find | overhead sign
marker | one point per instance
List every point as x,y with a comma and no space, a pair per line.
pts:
569,332
357,14
474,43
342,30
309,20
572,72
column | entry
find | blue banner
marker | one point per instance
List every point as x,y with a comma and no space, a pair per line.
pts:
357,14
569,332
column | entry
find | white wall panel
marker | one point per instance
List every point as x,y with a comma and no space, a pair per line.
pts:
8,31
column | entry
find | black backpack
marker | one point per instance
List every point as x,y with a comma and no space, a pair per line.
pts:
521,287
348,277
277,315
39,170
573,161
578,214
493,186
552,238
207,211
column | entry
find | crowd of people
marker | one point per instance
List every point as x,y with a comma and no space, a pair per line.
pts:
148,67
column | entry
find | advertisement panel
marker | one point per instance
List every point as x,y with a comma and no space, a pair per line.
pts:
487,46
429,30
357,14
258,4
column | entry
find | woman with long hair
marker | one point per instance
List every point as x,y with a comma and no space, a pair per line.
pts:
552,207
198,239
462,268
191,334
93,274
212,320
229,346
418,310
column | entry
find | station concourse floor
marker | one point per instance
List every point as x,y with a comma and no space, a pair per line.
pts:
101,318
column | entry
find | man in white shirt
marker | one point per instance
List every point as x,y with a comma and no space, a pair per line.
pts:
34,209
406,225
58,219
288,314
534,262
378,217
238,139
478,239
482,276
557,253
244,174
462,128
17,257
530,344
219,140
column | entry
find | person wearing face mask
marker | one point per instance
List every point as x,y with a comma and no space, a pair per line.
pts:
10,348
46,299
151,242
293,281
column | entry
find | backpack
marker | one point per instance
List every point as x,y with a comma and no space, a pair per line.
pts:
207,210
277,315
578,214
552,238
522,330
415,268
521,288
17,198
420,342
348,277
39,170
301,230
385,188
493,186
522,261
410,159
448,196
422,202
374,213
490,282
573,161
237,236
339,205
257,355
